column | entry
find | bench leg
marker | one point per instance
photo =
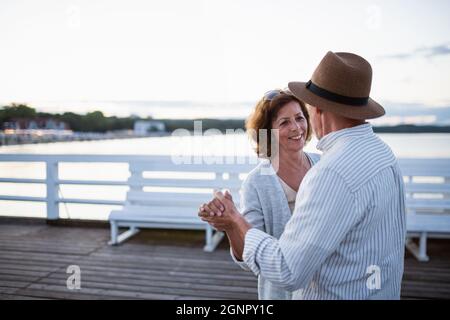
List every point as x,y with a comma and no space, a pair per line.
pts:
212,240
114,232
118,239
423,247
420,252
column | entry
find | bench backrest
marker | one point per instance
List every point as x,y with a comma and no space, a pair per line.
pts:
427,185
166,184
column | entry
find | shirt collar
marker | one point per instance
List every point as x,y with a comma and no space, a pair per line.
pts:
331,139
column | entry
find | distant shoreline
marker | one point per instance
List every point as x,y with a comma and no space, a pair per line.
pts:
80,136
223,124
13,140
411,129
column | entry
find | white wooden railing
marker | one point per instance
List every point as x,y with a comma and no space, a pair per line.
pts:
53,182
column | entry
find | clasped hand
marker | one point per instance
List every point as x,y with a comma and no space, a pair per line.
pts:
220,213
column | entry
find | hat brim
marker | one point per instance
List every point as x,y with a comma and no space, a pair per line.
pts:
371,110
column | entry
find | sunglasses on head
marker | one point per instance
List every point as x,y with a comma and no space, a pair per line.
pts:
270,95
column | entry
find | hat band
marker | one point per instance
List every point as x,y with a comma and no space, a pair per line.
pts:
336,97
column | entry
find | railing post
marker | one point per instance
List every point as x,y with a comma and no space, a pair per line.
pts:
52,190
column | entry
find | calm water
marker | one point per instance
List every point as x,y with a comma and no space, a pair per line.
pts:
403,145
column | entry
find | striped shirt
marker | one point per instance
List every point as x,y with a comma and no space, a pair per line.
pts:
346,237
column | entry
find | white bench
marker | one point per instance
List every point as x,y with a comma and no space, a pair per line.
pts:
427,202
171,196
427,188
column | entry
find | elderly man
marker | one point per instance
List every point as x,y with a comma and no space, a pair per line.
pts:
346,237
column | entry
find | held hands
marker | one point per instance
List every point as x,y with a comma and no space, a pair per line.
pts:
220,213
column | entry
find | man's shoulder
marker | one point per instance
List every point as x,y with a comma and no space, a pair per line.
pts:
357,161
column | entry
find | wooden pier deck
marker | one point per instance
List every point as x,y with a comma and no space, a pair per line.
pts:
156,264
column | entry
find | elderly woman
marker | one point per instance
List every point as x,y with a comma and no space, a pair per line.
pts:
268,193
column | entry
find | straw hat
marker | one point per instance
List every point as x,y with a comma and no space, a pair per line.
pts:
340,84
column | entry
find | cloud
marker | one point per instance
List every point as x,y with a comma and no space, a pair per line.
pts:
427,52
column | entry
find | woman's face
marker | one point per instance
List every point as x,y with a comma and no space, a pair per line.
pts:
292,126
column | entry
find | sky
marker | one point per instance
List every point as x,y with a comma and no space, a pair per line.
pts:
222,51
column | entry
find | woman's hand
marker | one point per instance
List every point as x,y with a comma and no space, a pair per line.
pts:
220,213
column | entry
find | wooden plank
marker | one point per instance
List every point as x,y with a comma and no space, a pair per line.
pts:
19,277
434,167
196,285
186,183
57,250
205,270
44,292
416,289
173,249
171,275
145,261
102,293
230,284
428,223
160,224
163,198
34,242
152,292
180,212
25,263
58,294
7,290
18,297
413,187
13,283
58,258
426,204
154,215
13,272
21,265
170,166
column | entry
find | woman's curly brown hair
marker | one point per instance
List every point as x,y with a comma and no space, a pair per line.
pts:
264,114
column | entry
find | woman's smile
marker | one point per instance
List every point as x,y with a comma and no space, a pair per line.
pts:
296,137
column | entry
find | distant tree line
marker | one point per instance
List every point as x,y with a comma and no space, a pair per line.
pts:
96,121
91,122
188,124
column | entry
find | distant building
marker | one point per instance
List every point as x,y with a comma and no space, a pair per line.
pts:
143,127
33,124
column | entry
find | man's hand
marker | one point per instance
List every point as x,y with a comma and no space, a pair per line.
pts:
221,213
